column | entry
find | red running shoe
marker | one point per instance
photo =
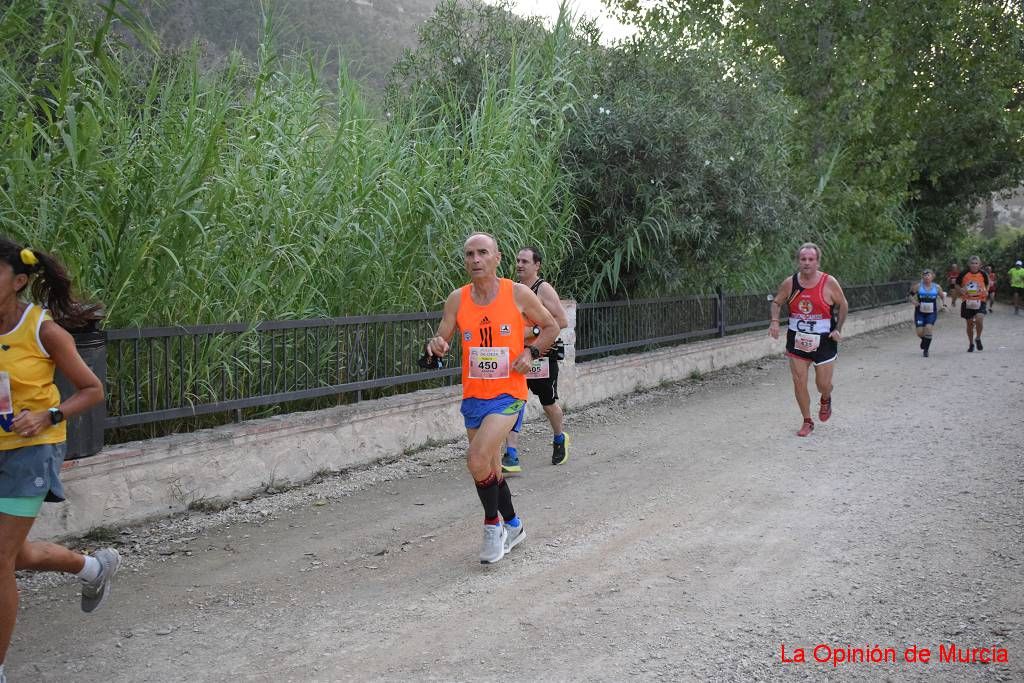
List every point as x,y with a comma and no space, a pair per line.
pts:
825,409
807,428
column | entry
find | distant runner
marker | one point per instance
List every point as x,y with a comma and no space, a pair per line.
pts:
991,272
972,286
926,295
528,262
1017,285
490,314
952,275
817,313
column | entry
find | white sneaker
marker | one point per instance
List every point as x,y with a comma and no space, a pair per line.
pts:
514,534
95,592
494,543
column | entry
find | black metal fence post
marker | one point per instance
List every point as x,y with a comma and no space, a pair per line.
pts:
722,313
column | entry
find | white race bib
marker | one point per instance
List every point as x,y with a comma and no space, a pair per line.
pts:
539,369
488,362
927,306
6,404
972,304
806,342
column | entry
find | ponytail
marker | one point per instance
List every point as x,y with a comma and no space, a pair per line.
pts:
50,286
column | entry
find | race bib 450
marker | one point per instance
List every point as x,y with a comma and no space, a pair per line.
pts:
488,362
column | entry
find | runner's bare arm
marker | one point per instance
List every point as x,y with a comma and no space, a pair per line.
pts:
533,309
549,297
785,289
839,299
439,343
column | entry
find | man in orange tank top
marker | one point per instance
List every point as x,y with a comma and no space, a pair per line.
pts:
489,314
972,287
817,311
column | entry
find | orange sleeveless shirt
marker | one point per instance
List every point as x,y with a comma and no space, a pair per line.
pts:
974,285
492,338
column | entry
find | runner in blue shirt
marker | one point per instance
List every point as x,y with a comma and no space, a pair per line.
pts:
926,296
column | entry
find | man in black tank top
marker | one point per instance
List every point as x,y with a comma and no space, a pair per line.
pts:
813,336
528,262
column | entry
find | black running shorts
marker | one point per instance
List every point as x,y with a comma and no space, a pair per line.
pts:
968,313
546,389
826,352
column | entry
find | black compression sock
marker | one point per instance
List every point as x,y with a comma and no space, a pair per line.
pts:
488,492
505,501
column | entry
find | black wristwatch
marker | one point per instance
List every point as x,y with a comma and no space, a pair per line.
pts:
536,330
534,351
56,416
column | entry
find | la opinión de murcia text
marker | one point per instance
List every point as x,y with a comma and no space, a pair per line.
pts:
950,653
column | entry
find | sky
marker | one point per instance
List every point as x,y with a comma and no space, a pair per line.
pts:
611,29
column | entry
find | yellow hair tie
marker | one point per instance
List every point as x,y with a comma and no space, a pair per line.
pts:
28,257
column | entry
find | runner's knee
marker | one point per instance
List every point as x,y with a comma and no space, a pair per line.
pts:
481,450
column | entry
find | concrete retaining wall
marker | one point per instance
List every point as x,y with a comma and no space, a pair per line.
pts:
601,379
135,481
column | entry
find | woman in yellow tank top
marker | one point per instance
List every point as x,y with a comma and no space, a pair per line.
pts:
32,423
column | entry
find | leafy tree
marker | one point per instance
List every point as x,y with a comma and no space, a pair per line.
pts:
906,113
681,175
462,45
678,171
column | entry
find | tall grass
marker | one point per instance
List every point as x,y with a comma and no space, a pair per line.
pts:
257,191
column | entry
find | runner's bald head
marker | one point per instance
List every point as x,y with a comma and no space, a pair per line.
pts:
494,242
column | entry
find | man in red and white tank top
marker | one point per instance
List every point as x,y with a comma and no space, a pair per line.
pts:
490,314
817,309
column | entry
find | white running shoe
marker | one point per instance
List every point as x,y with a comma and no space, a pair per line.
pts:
95,592
514,534
494,543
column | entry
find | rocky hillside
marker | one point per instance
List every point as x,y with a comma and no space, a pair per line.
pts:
370,34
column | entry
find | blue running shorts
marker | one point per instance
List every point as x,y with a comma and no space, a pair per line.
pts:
474,410
32,471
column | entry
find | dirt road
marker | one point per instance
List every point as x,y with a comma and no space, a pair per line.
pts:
689,537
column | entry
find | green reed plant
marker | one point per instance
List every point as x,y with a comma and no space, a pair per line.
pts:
256,191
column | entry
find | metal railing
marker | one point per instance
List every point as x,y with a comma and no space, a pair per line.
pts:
872,296
179,373
167,373
606,328
614,327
